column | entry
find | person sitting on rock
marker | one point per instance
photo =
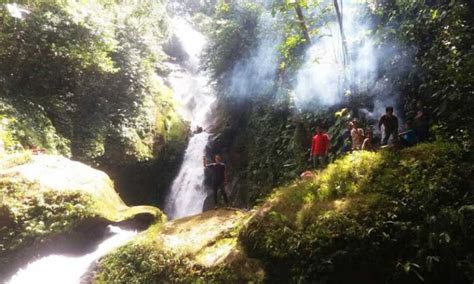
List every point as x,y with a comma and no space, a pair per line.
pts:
219,177
368,144
408,137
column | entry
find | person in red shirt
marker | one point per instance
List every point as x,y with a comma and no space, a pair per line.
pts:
319,148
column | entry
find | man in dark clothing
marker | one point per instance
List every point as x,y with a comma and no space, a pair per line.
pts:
347,139
422,125
219,179
390,125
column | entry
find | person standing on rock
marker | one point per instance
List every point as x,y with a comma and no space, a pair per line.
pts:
319,148
219,179
390,125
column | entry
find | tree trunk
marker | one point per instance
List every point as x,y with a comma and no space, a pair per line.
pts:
345,50
302,22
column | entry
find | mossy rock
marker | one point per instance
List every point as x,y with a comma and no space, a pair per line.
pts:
44,198
379,217
202,248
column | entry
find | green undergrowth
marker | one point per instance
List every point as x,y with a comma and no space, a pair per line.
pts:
380,217
29,215
25,125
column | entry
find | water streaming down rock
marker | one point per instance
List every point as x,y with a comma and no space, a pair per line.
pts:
63,269
191,88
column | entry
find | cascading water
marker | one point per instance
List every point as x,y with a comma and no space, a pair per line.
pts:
63,269
190,87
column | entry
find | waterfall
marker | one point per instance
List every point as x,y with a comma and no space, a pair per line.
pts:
191,88
62,269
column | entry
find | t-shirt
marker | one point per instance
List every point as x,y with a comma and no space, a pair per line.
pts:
389,122
320,144
218,170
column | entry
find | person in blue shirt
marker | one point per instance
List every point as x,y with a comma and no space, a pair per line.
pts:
408,137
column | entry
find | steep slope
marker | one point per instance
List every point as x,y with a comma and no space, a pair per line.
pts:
379,217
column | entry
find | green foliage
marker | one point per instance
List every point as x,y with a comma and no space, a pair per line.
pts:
92,68
440,35
383,217
30,215
232,33
83,79
25,125
294,43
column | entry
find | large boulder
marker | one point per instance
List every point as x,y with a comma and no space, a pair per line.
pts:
47,201
201,248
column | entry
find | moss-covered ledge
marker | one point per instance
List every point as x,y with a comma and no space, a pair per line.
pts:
202,248
378,217
45,200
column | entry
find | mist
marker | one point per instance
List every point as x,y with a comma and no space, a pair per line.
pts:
256,74
324,81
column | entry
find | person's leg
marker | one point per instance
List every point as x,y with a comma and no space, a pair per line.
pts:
385,137
214,191
323,161
226,200
319,162
315,162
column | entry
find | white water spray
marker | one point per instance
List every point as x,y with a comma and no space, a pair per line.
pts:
63,269
190,87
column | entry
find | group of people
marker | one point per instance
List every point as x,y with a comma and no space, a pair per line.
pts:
355,138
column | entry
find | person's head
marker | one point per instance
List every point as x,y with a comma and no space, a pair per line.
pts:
350,125
408,124
319,130
389,110
368,134
355,124
218,158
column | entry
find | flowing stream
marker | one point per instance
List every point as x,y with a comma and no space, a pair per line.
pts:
191,88
62,269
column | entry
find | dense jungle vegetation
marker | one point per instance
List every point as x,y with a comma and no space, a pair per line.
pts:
86,80
428,58
89,80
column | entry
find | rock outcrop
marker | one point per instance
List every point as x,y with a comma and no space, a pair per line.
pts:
47,202
203,247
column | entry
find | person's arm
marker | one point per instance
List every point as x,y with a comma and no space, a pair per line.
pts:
380,123
204,161
312,146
